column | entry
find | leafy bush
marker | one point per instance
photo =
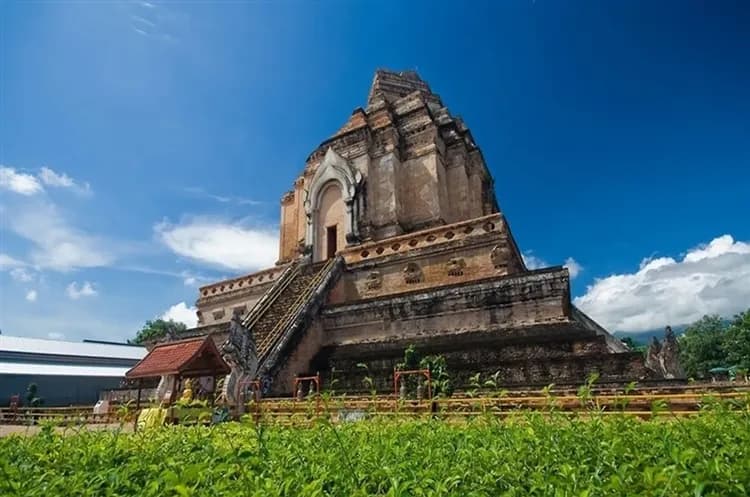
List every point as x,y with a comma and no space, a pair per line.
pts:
532,454
436,364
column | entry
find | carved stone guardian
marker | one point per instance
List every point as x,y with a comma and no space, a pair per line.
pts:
456,266
499,256
412,273
374,280
663,358
652,355
239,351
669,358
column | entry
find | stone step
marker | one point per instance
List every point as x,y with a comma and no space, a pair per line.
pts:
280,307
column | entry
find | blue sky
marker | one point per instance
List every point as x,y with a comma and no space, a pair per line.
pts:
145,145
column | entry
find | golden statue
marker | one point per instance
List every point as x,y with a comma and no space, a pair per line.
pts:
187,392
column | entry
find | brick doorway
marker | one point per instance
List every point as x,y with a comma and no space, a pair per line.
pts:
331,242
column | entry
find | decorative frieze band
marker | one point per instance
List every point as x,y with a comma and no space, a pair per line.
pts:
247,281
425,238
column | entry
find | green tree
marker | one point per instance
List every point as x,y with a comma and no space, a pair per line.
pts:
156,329
737,341
702,346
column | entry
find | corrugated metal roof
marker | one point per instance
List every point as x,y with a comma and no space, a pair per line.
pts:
60,370
80,349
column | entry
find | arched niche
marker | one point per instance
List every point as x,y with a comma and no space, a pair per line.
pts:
334,171
329,222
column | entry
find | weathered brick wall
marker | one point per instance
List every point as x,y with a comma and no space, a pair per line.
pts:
300,361
504,304
381,196
528,364
458,193
418,193
220,310
217,301
288,228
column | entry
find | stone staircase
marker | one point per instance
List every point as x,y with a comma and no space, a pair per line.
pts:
297,294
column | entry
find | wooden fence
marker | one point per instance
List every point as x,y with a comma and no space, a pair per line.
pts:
642,402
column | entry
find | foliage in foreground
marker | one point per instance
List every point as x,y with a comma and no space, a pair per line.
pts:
534,454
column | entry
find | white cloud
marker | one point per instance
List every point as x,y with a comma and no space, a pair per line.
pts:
222,244
62,180
574,268
533,262
85,290
53,335
182,314
58,245
51,178
7,261
31,295
224,199
22,183
21,274
710,279
28,184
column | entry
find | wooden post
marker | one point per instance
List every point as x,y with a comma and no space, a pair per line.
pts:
138,397
137,405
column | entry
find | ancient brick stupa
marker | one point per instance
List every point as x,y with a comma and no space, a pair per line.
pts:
392,237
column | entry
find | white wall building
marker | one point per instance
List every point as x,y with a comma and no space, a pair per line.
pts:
66,373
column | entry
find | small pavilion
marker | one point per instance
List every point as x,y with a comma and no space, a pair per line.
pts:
184,359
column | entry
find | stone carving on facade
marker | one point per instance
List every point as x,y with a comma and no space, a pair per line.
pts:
663,358
500,256
374,280
239,351
456,266
412,273
218,314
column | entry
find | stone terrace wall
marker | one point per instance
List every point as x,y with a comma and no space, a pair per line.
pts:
217,301
539,297
447,255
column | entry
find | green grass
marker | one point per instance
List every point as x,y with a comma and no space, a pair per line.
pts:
533,454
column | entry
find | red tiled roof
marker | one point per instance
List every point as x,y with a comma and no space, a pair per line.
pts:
191,357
